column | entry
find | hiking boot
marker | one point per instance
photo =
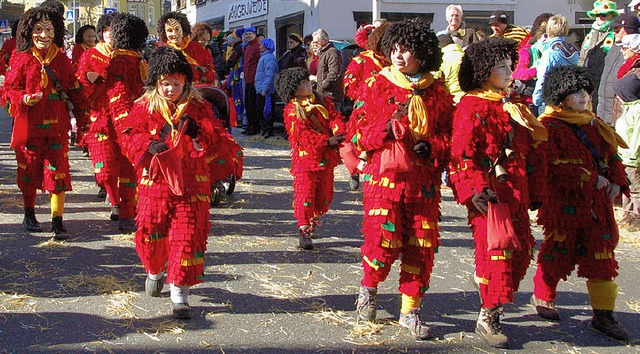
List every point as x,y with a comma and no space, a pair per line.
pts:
181,311
115,213
306,234
152,287
58,229
102,193
488,326
127,225
30,222
545,309
366,304
354,181
411,321
604,322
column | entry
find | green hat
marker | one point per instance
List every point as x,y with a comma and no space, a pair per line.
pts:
603,8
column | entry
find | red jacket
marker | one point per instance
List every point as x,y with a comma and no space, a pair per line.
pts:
251,57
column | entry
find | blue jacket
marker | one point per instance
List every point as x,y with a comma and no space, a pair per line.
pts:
267,69
555,52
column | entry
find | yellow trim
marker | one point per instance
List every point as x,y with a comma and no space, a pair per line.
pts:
366,259
420,242
390,243
410,269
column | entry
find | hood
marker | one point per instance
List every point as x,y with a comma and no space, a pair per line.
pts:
551,41
268,43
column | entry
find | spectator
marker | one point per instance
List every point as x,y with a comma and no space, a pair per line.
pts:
456,27
451,58
329,68
251,57
598,42
265,76
234,84
215,47
631,54
312,57
502,28
634,5
295,55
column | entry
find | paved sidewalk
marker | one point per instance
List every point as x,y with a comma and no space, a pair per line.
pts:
261,294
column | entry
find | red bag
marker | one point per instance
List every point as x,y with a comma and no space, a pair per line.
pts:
169,164
395,158
500,233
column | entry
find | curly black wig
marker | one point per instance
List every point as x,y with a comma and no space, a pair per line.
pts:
561,81
374,42
28,22
480,58
164,61
288,80
180,17
416,36
129,32
79,35
55,5
103,22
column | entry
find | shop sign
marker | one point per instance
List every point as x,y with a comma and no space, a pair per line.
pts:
244,9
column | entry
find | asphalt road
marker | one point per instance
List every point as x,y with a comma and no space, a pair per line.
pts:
261,294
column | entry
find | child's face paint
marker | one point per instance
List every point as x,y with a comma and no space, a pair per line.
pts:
171,86
404,60
500,77
577,101
304,90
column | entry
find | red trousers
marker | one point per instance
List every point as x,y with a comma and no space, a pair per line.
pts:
312,194
43,163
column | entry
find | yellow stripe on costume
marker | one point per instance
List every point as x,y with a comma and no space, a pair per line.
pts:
113,99
190,262
420,242
391,243
505,255
374,266
429,225
380,211
121,116
410,269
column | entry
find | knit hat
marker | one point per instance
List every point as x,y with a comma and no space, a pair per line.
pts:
166,60
628,88
628,21
603,8
631,41
268,43
498,17
562,81
250,29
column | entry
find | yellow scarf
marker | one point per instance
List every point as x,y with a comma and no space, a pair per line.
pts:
142,65
104,49
51,53
418,115
173,118
519,112
304,108
182,46
586,117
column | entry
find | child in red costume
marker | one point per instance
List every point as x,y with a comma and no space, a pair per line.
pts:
172,226
579,176
315,132
174,30
492,134
409,113
35,92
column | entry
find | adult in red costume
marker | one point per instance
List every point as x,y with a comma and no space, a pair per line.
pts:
7,49
578,174
85,39
37,92
408,119
315,130
491,137
175,31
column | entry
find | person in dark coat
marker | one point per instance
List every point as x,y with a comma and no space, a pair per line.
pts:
329,76
296,54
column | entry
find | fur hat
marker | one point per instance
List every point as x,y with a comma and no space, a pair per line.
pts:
562,81
288,80
603,8
164,61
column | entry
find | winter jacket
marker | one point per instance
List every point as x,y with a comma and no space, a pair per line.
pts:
297,57
451,58
251,56
555,52
627,92
267,69
330,72
608,108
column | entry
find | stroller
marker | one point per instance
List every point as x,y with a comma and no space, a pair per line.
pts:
220,106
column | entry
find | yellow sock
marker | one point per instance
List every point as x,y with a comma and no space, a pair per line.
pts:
409,303
602,294
57,204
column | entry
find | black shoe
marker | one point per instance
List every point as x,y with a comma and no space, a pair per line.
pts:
181,311
127,225
354,182
115,213
102,193
152,287
30,222
58,229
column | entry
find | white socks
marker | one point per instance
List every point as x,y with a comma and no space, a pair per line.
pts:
179,294
155,276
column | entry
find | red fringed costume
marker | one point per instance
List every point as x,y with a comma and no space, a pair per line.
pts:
112,169
200,59
172,230
76,54
401,210
40,131
578,219
480,127
5,54
312,160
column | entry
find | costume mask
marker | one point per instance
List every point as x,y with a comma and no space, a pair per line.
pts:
42,35
173,29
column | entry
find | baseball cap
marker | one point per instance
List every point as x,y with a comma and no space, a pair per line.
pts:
631,41
498,17
628,21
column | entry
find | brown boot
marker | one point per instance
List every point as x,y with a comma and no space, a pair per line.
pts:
545,309
488,326
604,322
366,306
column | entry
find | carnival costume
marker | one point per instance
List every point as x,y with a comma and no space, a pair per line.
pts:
200,59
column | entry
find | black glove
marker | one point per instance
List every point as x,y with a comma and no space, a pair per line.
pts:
335,140
423,148
481,200
157,146
192,129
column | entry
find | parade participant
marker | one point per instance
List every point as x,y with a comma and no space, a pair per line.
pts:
7,49
174,30
410,121
578,175
37,91
85,39
172,226
234,83
112,170
491,140
315,130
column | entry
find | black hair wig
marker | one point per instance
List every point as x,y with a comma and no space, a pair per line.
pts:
180,17
14,28
103,22
129,32
417,37
288,80
480,58
28,22
79,35
561,81
164,61
374,42
55,5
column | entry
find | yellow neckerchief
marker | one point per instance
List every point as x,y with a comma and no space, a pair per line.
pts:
182,46
418,115
373,56
104,49
305,106
84,46
173,118
586,117
52,51
519,112
142,65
